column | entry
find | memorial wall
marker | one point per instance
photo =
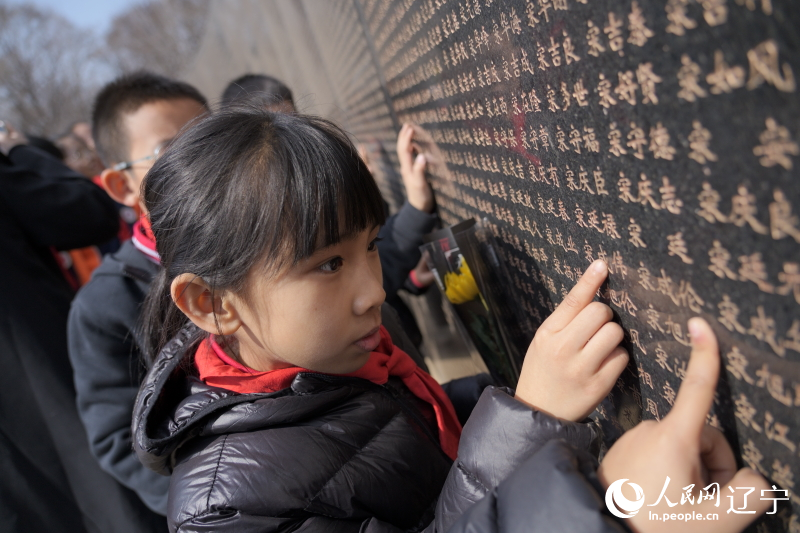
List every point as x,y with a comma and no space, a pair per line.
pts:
659,135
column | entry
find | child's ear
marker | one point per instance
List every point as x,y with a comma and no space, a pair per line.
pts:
118,187
193,297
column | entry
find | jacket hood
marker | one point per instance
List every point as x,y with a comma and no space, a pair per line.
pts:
174,406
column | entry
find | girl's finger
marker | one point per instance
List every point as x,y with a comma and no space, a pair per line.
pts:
601,345
579,297
610,369
588,323
716,456
696,393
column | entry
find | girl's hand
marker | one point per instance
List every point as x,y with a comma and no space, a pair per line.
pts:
412,170
682,447
575,357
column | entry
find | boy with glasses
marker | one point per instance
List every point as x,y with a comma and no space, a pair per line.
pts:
134,119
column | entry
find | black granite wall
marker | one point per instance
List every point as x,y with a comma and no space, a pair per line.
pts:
659,135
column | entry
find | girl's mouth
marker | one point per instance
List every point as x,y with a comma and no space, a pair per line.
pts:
370,341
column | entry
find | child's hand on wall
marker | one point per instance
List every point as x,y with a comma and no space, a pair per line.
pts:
684,448
575,357
412,169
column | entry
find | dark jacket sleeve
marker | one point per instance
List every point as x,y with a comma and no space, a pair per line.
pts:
556,490
399,248
55,205
105,361
499,436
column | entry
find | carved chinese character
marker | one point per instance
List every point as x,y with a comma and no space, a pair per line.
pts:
635,238
626,90
551,101
709,204
719,258
526,66
614,139
677,246
774,385
659,143
743,211
599,181
753,269
764,67
579,93
724,79
645,279
668,199
591,144
776,431
593,40
781,221
554,54
792,342
614,33
790,277
688,78
776,146
762,328
698,143
639,32
541,56
752,456
575,139
715,12
729,315
569,50
652,408
679,22
745,412
675,329
604,90
782,474
647,81
661,358
610,226
652,321
766,5
737,365
636,140
530,12
646,193
668,393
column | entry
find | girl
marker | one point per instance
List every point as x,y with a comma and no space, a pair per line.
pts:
281,402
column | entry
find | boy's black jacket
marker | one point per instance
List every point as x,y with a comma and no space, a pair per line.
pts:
106,352
330,453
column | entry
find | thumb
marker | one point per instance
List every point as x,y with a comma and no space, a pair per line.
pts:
696,393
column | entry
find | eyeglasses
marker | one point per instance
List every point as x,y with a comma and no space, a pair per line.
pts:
127,165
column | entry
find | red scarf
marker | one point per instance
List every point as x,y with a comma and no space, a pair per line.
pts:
219,370
144,240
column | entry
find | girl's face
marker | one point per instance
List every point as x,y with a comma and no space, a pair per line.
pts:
322,314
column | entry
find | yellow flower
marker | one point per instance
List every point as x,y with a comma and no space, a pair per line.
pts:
460,287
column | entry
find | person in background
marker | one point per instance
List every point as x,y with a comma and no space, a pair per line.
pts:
50,481
134,119
79,156
273,94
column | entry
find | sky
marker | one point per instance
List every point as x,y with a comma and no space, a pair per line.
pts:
88,14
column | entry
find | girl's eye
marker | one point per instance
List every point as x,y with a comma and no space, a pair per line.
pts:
374,244
333,265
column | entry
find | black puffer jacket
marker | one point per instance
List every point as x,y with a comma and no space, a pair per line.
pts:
327,454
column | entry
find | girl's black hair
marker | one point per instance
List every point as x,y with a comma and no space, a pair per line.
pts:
247,187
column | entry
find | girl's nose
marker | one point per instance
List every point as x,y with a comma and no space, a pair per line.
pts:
369,287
